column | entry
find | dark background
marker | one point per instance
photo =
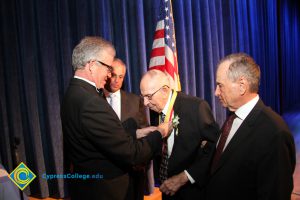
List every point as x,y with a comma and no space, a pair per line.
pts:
37,38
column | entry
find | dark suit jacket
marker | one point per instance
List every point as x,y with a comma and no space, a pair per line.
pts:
196,124
95,142
258,162
132,108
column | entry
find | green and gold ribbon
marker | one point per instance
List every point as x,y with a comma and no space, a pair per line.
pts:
170,108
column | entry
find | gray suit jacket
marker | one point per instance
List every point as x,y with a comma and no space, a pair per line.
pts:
132,107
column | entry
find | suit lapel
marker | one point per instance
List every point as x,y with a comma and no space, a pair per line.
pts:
123,107
241,134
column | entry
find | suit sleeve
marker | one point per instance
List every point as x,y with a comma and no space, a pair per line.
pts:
104,130
130,125
209,131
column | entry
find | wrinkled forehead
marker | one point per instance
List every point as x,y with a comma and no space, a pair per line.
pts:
149,84
223,69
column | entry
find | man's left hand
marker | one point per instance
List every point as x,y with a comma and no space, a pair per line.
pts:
172,184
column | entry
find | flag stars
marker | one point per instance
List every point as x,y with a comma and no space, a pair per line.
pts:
166,9
167,18
167,27
167,37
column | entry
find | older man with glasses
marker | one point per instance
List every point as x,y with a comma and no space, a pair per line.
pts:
95,141
187,152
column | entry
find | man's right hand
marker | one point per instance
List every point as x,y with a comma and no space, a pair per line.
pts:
165,129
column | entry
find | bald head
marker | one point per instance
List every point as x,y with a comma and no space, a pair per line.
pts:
117,76
118,63
155,88
154,79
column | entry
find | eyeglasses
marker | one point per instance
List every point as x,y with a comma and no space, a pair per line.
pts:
109,68
149,96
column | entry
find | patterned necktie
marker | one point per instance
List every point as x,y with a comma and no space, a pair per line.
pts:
224,135
163,171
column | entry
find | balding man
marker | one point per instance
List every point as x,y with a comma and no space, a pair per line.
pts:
255,155
187,152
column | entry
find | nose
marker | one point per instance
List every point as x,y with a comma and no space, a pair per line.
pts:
116,80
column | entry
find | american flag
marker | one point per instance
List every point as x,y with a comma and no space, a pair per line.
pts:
164,53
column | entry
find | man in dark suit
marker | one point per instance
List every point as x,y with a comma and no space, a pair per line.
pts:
255,155
188,150
95,140
129,106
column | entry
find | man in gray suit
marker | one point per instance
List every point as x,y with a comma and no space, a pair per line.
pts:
129,107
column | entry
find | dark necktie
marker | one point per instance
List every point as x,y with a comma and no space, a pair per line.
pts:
163,171
224,135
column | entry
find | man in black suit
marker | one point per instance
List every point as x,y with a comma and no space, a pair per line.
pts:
95,140
255,155
129,106
188,150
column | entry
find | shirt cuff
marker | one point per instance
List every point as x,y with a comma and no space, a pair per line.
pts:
189,177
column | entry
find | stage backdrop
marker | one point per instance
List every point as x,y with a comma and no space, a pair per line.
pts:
37,38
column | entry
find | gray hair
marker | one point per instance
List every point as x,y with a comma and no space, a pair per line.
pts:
88,49
243,65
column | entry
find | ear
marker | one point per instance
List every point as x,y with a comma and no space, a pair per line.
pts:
89,66
243,85
166,91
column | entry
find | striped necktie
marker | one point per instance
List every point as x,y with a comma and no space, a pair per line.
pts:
163,171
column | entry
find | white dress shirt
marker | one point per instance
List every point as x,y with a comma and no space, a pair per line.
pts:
114,99
90,82
241,113
171,137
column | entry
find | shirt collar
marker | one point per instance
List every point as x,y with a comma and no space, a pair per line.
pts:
243,111
116,94
165,110
90,82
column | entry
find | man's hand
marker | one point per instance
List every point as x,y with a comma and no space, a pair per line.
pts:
165,129
145,131
3,173
172,184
